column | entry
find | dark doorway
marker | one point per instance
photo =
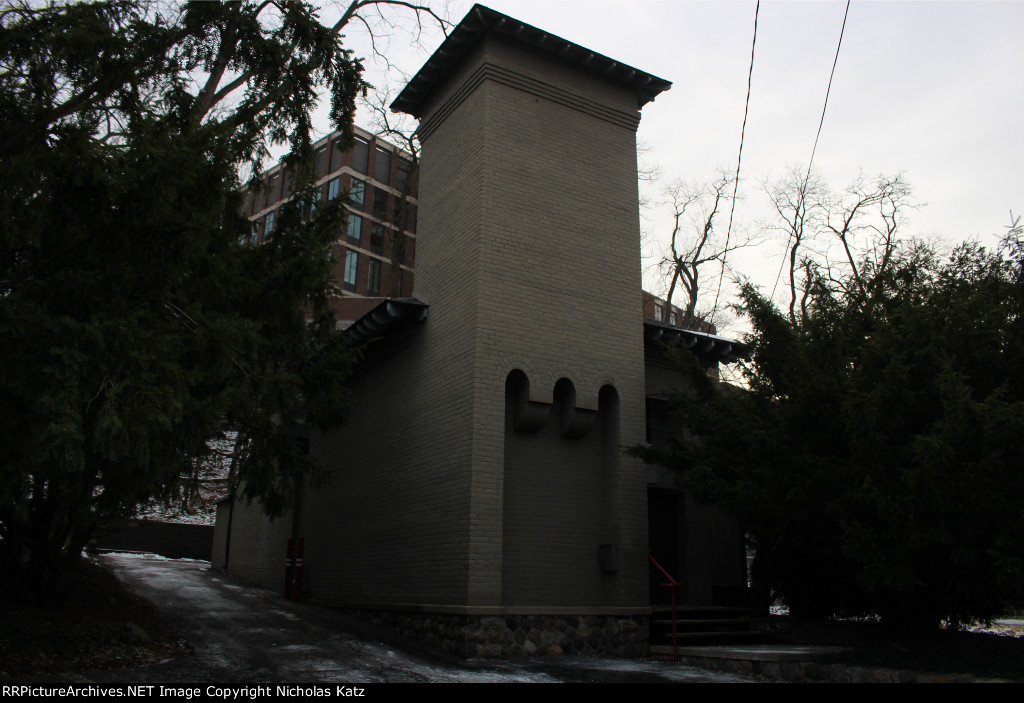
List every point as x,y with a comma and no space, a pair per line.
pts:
664,542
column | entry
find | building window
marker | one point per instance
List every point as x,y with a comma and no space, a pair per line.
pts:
373,277
402,174
382,165
380,203
351,270
657,312
377,238
409,216
333,188
357,192
355,228
270,224
272,190
254,233
675,318
320,166
336,152
360,155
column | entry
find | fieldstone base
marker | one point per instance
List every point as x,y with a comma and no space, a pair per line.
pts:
474,636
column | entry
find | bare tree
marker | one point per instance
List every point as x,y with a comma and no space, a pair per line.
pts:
798,201
861,222
865,219
696,243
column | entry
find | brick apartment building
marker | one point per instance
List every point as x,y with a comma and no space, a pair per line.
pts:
375,255
479,496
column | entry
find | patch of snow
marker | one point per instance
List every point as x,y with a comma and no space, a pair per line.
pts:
213,477
147,556
1005,628
163,513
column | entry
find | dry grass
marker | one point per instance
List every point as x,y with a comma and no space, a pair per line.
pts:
92,629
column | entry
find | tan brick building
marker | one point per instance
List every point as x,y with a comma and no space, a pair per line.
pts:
480,495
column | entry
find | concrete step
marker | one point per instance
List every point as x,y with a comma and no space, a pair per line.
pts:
705,622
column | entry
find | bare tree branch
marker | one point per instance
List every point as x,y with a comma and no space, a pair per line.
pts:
863,222
215,96
695,241
395,129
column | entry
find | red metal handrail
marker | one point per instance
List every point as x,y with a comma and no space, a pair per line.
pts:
672,585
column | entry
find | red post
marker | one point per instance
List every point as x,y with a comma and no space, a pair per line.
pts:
289,566
296,589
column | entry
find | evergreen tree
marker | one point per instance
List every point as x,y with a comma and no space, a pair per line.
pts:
137,319
875,457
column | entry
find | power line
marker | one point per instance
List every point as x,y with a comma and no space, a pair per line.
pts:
739,160
816,137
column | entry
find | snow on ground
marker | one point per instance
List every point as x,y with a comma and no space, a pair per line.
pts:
213,476
244,633
1006,628
146,556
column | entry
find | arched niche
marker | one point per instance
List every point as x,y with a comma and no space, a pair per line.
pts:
573,422
527,415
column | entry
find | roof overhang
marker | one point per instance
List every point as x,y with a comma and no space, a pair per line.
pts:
384,319
483,20
720,349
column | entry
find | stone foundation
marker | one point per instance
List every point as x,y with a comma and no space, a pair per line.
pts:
474,636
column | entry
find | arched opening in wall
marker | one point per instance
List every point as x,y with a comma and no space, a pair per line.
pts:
523,414
517,384
573,422
565,402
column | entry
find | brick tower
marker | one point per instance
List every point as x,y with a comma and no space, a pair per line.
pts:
529,258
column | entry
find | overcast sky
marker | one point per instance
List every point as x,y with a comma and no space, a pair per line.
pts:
933,89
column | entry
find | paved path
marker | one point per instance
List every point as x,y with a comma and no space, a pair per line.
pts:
242,634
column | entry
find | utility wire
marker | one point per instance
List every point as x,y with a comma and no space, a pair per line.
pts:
739,160
816,137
